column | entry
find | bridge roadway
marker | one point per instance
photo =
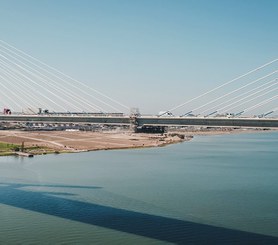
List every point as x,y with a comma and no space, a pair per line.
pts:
145,120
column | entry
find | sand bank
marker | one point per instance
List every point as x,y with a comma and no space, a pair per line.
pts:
40,142
77,141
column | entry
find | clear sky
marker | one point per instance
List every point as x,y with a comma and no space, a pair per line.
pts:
151,54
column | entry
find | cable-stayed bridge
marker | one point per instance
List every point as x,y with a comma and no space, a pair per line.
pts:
33,91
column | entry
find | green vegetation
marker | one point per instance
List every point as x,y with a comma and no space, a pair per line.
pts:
4,147
7,149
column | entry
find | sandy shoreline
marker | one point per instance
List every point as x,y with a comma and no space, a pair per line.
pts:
78,141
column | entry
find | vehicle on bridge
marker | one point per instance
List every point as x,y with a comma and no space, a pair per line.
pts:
165,114
7,111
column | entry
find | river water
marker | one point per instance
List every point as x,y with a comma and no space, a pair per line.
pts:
211,190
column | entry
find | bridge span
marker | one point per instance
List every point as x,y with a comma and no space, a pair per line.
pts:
145,120
208,121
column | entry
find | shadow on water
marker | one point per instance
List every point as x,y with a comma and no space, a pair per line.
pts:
48,185
147,225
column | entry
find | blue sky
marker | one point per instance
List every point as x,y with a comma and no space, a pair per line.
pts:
151,54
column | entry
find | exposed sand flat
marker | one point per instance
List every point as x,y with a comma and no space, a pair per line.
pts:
75,141
85,141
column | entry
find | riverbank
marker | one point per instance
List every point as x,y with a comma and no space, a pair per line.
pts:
46,142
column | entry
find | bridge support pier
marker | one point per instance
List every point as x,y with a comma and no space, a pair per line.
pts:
151,129
136,128
133,124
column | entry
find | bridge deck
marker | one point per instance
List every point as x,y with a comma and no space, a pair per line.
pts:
213,121
147,121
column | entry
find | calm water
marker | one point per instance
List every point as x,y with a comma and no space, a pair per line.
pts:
218,190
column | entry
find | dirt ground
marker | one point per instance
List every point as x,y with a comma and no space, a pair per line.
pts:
76,141
85,141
